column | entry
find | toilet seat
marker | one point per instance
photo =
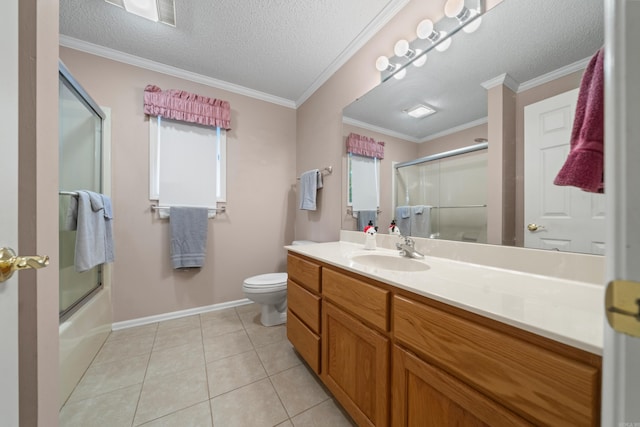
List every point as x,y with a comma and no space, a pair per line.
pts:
269,282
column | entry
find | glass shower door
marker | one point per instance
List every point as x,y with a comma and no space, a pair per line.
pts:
80,159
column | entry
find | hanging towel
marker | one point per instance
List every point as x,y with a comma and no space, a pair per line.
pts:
188,236
421,221
364,217
94,237
403,220
584,168
310,183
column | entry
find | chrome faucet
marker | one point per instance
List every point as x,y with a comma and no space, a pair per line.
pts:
407,248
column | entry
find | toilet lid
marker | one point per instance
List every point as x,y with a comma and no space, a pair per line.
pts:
270,279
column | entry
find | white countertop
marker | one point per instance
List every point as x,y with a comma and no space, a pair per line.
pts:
563,310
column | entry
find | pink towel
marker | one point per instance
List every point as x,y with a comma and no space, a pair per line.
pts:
584,168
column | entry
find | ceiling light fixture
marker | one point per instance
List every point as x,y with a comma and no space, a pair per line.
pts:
155,10
420,111
457,9
402,49
425,30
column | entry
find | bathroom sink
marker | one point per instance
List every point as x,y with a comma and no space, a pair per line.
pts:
390,262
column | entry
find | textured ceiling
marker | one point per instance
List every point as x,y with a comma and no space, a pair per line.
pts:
523,38
277,47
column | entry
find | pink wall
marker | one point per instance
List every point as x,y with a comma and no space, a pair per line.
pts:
460,139
261,202
395,150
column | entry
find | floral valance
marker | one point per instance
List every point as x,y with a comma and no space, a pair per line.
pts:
365,146
187,107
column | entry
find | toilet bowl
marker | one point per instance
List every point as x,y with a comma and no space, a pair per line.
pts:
270,290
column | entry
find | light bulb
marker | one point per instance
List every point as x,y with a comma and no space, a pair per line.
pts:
472,26
444,45
382,63
453,8
424,29
401,48
400,74
421,59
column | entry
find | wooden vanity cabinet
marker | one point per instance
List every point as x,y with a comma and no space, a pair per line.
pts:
391,357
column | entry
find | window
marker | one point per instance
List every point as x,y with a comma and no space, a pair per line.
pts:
187,163
363,182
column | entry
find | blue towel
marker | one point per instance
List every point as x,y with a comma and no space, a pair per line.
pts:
421,221
364,217
310,183
94,237
188,236
403,220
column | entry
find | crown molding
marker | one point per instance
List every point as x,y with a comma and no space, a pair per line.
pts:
555,74
503,79
136,61
370,30
384,131
455,129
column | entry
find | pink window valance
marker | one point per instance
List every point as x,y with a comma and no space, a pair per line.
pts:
365,146
187,107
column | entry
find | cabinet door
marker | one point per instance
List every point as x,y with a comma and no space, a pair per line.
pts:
425,396
355,363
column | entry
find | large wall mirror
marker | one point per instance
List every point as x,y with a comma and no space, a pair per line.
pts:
536,49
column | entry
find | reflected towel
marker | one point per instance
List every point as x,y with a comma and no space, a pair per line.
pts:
584,168
310,183
94,237
188,236
403,220
364,217
421,221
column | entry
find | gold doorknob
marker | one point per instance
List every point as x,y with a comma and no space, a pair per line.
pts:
534,227
9,262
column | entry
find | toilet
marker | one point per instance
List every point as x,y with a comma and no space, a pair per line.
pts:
270,290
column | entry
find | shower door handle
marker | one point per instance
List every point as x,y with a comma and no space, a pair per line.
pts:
9,262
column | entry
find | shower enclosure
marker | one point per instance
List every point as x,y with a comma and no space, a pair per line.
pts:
81,124
454,184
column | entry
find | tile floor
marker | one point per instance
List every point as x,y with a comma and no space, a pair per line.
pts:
219,369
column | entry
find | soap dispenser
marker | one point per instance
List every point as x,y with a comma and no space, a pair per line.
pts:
370,236
393,228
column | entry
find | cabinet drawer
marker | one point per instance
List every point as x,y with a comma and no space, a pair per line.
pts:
304,340
304,272
304,304
540,385
366,301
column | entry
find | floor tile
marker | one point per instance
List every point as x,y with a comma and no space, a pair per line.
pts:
193,321
250,318
124,348
278,357
194,416
232,409
326,414
112,409
226,345
175,337
135,332
285,424
175,359
299,389
234,372
265,335
106,377
216,314
169,393
247,307
220,325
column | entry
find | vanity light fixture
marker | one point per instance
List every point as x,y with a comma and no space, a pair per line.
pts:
425,30
383,64
155,10
457,9
402,49
420,111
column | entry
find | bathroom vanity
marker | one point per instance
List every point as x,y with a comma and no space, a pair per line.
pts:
447,342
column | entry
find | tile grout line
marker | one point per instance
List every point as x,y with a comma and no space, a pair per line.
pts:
144,377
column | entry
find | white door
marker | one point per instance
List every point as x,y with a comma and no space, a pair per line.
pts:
621,356
558,218
9,210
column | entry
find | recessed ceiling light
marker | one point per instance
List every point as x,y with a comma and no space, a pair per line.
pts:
155,10
420,111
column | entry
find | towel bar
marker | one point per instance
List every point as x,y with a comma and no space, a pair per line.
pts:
350,211
218,210
328,170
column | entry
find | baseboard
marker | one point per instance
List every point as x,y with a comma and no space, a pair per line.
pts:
116,326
